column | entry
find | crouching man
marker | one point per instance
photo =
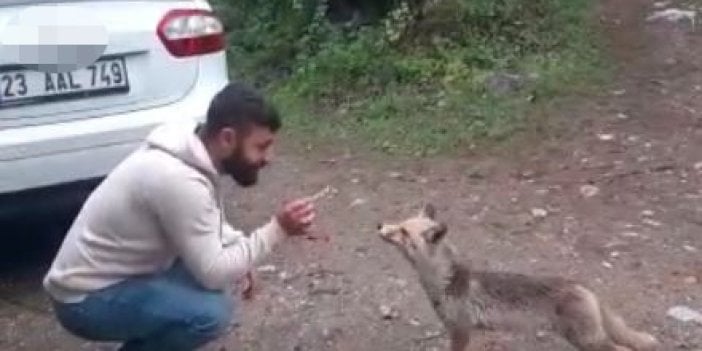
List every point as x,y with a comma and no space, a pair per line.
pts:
149,258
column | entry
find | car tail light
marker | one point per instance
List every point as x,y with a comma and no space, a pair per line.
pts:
191,32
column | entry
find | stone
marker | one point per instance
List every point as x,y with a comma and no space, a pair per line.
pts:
358,202
589,190
652,222
504,83
690,280
685,314
395,175
689,248
539,213
661,4
673,15
605,137
387,312
630,234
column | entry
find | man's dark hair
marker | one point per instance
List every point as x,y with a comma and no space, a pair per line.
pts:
240,106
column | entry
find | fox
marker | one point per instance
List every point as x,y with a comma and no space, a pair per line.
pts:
468,300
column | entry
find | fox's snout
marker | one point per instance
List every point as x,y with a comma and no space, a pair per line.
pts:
385,231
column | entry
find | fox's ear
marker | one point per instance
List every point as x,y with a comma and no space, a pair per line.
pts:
435,234
428,211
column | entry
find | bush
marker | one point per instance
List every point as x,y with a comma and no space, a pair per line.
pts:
385,67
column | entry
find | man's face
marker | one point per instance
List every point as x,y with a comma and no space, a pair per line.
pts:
251,150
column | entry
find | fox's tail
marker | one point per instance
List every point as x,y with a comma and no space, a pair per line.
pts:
624,335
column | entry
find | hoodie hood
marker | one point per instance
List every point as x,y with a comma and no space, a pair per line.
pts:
180,140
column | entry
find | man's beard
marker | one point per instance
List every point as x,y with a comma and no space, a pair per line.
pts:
243,172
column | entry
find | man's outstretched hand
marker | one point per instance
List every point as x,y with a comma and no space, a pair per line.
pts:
296,216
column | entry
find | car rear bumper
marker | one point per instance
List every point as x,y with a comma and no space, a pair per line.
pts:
31,206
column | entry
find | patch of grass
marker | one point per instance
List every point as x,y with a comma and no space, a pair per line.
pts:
418,86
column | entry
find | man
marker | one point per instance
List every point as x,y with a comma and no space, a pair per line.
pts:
149,258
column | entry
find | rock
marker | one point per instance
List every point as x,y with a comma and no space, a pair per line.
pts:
647,213
632,139
690,280
358,202
589,190
698,166
689,248
541,192
388,312
414,322
606,264
539,213
395,175
652,223
605,137
622,116
630,234
504,83
661,4
619,92
475,174
361,251
431,334
673,15
685,314
400,282
387,145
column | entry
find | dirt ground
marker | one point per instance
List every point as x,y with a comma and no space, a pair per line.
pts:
636,241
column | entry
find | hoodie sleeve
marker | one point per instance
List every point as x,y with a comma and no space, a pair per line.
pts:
190,217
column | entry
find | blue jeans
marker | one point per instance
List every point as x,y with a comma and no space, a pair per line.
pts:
169,311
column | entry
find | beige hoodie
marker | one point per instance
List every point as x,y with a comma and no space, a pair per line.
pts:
160,203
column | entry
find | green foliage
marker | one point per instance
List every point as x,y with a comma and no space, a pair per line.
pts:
412,79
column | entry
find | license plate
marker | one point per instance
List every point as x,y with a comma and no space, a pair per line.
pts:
22,86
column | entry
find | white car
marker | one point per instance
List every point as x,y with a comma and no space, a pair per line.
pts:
160,60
